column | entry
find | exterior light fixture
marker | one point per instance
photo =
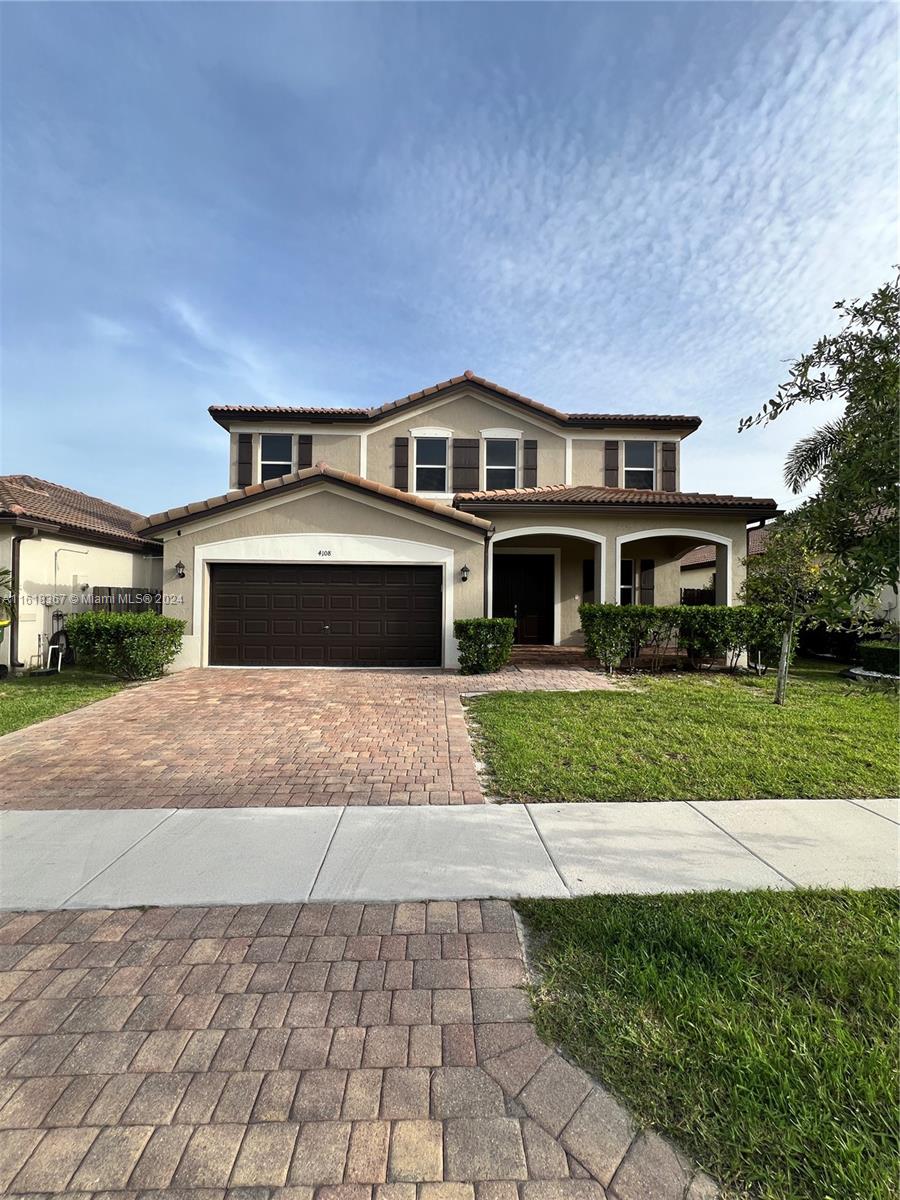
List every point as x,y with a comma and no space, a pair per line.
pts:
464,573
179,570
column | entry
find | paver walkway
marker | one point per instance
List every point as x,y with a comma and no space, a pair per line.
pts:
240,738
301,1051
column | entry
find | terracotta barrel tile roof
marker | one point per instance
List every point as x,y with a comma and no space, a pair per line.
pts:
223,414
25,497
558,493
705,556
297,480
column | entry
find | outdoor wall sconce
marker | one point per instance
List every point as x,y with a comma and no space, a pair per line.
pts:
464,573
179,570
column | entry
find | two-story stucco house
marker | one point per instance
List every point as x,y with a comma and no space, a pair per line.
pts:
355,537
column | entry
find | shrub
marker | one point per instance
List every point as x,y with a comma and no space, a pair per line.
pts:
607,636
484,643
616,633
883,657
127,645
708,632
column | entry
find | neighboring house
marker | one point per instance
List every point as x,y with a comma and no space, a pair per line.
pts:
698,573
61,546
698,566
356,536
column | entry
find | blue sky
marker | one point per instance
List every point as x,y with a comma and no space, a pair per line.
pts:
643,207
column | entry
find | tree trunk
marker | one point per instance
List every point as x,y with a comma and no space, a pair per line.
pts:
783,661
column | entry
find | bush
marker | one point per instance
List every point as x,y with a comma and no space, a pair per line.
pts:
484,643
883,657
127,645
615,634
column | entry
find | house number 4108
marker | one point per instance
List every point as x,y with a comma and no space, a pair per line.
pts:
324,554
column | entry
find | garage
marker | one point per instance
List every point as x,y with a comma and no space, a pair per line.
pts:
324,615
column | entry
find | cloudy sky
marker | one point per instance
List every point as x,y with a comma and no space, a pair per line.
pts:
607,207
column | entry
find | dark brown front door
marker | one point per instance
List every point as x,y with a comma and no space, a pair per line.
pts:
323,615
523,589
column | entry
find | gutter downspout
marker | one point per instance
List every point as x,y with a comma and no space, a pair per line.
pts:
15,570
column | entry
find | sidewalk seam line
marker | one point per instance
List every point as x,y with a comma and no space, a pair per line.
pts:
874,812
112,862
541,839
736,839
337,825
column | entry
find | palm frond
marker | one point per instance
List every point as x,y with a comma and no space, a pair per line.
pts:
811,454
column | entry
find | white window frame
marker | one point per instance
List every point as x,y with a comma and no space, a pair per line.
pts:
267,462
625,468
634,586
488,486
439,435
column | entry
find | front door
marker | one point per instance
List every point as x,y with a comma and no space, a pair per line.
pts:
523,590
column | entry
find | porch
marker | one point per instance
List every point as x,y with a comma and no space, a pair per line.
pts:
540,576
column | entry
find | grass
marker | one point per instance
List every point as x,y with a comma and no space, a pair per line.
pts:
758,1030
692,737
35,698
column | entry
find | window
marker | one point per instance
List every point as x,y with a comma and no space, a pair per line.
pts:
626,581
640,465
276,455
500,463
431,464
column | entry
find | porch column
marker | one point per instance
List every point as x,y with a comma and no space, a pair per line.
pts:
723,573
611,570
599,597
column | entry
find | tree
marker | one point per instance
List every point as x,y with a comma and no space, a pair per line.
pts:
7,603
852,521
786,579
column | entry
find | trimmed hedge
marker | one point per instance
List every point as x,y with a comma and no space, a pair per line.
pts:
484,643
616,634
127,645
883,657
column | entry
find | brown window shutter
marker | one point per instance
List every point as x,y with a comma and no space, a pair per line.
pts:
611,464
529,463
668,466
245,460
401,464
304,451
647,572
465,465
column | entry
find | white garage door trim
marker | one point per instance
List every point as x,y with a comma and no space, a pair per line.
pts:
348,549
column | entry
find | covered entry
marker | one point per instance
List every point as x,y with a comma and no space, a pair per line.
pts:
317,614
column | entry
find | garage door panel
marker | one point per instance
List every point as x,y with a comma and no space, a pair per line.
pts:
341,615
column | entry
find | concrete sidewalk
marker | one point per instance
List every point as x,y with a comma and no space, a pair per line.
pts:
89,859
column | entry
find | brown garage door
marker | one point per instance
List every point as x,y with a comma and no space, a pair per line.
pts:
323,615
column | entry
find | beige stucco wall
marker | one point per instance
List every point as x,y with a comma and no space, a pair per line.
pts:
324,518
588,456
465,416
697,577
43,590
340,450
369,449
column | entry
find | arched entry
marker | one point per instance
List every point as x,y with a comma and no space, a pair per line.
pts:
536,574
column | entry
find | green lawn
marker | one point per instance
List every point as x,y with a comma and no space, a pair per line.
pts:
692,737
758,1030
34,698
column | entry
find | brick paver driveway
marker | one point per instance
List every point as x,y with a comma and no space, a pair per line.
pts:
224,738
171,1054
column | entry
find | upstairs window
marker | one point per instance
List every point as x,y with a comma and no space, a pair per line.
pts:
276,455
431,464
500,463
640,465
